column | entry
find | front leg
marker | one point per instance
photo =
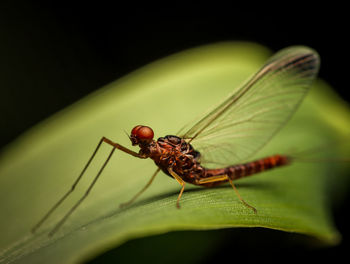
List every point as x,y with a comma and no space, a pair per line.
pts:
59,202
122,148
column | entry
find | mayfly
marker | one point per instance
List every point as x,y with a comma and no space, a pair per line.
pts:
229,134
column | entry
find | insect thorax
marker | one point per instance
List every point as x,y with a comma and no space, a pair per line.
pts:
175,152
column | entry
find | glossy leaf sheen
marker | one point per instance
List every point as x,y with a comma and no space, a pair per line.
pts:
41,165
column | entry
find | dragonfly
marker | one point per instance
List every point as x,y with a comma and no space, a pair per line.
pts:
217,147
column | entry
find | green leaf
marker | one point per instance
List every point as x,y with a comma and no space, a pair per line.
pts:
40,166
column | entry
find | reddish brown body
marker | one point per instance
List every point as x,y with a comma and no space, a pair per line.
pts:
265,102
174,152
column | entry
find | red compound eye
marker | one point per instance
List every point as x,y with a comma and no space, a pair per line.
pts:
142,132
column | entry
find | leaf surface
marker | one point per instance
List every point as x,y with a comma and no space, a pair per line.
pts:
40,166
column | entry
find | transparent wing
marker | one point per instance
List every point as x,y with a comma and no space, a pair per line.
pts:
252,114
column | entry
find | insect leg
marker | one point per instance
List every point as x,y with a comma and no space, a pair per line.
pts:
142,190
239,196
224,177
103,139
179,180
216,178
58,225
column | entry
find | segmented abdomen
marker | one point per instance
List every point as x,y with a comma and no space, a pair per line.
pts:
239,171
242,170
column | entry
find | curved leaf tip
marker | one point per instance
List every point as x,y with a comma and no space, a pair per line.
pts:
292,199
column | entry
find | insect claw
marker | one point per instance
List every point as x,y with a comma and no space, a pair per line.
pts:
123,205
254,210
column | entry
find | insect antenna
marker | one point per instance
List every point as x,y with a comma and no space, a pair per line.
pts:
126,133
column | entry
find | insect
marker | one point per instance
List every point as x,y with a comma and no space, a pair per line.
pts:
205,153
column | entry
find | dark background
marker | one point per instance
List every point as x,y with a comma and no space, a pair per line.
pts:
51,55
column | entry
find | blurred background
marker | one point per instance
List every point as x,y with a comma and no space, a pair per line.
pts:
53,54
